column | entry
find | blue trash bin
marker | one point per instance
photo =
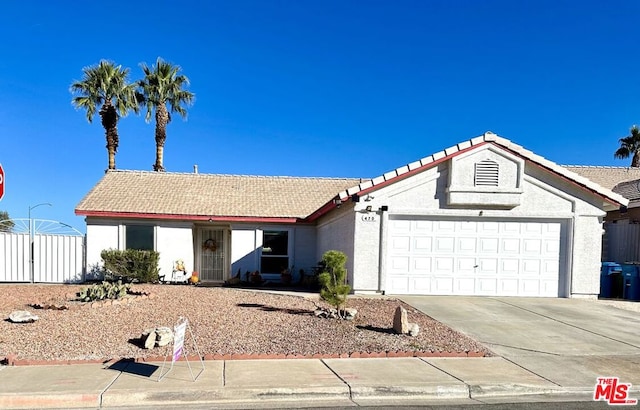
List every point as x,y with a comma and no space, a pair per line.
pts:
631,278
609,275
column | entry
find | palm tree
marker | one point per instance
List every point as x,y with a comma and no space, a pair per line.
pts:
163,85
630,146
105,86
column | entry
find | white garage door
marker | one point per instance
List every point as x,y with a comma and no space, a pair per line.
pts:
477,257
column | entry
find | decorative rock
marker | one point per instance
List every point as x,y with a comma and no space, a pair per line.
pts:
400,321
22,316
164,336
414,329
350,313
149,340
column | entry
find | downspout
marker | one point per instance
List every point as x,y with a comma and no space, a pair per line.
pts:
570,251
382,257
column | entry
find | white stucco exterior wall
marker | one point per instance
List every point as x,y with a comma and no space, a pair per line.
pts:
174,240
336,231
101,235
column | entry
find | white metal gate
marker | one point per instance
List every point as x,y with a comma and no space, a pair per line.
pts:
57,254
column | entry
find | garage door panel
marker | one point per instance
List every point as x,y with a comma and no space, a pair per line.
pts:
421,265
443,244
509,267
420,285
465,286
443,264
466,266
487,266
488,245
400,264
399,284
422,244
480,257
508,287
442,285
532,246
486,286
400,243
510,246
467,245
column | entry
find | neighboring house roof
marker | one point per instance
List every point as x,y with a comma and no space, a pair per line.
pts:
487,138
629,190
149,194
607,177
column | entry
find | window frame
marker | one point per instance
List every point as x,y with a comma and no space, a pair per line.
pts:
267,256
127,228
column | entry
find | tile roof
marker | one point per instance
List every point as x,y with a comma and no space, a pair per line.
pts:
201,196
487,137
607,177
629,190
189,194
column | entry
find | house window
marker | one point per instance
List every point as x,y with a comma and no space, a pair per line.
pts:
275,251
139,237
486,173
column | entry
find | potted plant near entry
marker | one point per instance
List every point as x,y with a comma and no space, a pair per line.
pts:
285,276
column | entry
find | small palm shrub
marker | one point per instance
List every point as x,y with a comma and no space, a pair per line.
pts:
333,286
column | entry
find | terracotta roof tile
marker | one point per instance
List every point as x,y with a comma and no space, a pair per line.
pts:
146,192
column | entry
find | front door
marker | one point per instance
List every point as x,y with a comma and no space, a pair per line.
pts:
213,252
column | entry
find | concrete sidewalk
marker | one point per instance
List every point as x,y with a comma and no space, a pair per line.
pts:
279,383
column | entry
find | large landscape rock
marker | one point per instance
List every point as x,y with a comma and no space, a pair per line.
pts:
159,336
22,316
400,321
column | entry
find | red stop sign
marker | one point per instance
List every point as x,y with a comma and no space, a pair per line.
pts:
1,181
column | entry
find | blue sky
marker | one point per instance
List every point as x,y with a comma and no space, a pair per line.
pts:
313,88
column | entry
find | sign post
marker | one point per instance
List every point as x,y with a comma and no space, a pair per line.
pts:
1,182
179,333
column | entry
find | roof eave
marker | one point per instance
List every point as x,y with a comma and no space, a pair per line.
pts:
194,218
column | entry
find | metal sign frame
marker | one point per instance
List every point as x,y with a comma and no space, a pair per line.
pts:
178,351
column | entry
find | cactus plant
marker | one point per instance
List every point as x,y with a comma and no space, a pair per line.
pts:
105,290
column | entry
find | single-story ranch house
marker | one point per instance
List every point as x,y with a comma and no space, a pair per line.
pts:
483,217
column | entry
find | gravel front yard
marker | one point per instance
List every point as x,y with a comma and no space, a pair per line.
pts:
223,320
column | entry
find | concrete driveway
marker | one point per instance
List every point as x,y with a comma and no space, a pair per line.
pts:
569,342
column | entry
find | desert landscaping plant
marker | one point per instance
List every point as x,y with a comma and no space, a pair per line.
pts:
105,290
334,289
131,264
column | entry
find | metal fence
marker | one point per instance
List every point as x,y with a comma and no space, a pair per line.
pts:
56,258
621,243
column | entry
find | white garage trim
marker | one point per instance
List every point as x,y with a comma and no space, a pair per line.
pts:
476,256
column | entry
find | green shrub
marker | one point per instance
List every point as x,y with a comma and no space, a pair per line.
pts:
105,290
334,289
131,264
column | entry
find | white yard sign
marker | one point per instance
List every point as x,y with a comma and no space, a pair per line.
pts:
178,340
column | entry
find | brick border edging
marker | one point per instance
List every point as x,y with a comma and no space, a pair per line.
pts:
71,297
11,360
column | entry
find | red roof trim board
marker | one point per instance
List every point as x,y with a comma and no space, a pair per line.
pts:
175,217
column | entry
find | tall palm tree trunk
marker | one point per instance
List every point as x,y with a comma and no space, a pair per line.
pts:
162,119
635,161
109,118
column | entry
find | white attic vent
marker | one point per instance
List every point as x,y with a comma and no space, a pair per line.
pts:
486,173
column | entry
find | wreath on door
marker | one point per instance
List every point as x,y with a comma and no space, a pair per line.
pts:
210,244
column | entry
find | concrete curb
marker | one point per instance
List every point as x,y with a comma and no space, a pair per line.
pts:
12,360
